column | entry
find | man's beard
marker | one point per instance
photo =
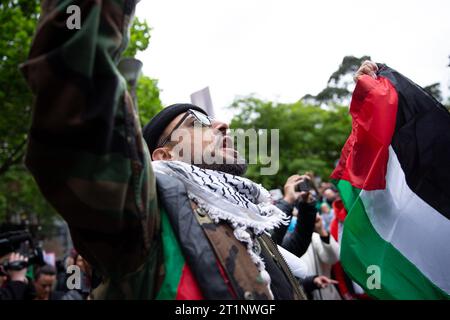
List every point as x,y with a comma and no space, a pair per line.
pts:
236,169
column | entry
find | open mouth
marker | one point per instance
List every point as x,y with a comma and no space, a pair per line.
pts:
227,142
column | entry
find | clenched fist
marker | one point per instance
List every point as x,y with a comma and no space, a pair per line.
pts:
369,68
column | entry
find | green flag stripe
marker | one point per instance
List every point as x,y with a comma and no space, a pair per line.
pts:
173,261
362,247
349,194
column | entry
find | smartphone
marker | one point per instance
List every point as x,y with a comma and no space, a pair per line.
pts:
304,185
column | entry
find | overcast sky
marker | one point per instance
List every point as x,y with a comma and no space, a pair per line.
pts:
282,49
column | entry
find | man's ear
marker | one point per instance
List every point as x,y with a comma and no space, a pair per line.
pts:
161,154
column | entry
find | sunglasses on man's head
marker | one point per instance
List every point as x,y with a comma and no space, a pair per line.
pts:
198,117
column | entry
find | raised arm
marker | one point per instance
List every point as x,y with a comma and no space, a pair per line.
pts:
286,205
299,241
85,146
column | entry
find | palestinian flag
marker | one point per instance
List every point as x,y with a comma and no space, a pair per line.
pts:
394,180
179,282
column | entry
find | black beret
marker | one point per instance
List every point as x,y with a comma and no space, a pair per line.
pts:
155,127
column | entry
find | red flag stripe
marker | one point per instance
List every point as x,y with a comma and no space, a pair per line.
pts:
188,288
374,110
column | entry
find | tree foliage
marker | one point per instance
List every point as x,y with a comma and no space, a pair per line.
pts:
139,38
340,85
310,137
448,98
147,94
17,23
19,194
435,90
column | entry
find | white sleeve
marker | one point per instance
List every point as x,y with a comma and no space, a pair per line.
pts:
298,267
327,252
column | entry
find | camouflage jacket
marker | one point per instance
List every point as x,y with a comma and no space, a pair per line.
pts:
89,159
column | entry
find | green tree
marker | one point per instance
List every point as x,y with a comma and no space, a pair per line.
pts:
17,24
19,194
435,90
448,98
147,94
310,138
147,91
340,85
139,38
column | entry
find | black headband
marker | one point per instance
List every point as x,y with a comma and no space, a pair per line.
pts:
156,126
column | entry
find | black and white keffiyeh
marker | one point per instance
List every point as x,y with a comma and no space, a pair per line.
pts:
244,204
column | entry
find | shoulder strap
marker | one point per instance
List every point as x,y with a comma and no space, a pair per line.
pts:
240,270
271,247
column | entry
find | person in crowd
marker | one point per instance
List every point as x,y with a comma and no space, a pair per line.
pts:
86,276
3,275
293,222
154,198
321,255
84,271
327,214
299,240
61,273
45,282
15,284
348,289
309,221
329,195
322,187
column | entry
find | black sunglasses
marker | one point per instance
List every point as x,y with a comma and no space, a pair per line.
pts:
203,119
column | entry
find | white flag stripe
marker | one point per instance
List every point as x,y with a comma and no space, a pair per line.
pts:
412,226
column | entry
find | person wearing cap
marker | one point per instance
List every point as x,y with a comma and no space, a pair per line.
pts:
152,226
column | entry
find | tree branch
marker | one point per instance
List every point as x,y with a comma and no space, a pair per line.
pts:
14,158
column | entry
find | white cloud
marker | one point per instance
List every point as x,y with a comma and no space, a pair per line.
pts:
284,49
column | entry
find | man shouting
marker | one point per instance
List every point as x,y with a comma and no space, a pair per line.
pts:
166,229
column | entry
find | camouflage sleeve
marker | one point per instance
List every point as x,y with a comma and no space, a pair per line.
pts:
85,148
